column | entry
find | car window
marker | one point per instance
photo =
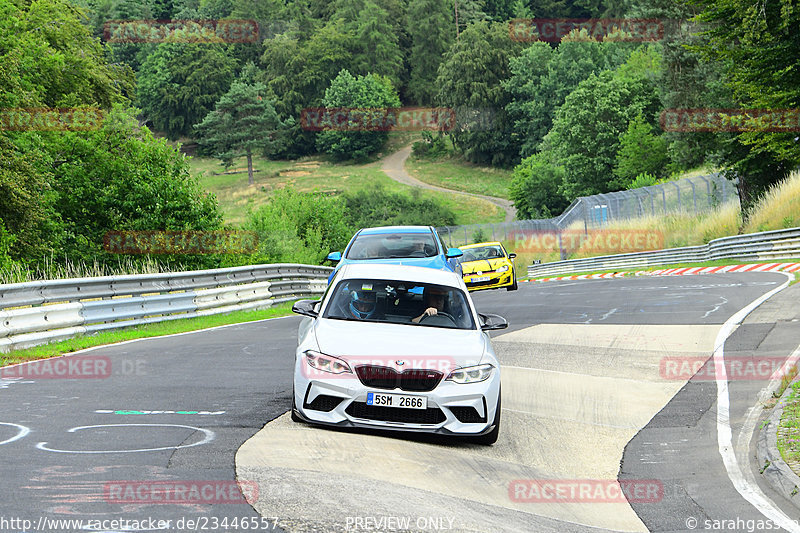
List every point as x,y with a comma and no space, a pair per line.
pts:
482,252
399,302
392,245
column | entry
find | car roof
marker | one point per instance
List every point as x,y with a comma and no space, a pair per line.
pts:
400,273
395,229
466,246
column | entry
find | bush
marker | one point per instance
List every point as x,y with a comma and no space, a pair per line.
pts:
535,188
431,146
296,227
6,240
645,179
378,207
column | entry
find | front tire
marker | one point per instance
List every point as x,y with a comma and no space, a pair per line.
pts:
491,437
514,286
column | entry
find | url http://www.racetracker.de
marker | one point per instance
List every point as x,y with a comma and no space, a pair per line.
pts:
202,523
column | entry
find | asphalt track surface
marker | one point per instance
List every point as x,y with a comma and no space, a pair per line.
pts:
175,410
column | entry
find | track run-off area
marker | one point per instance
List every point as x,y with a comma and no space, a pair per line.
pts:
604,388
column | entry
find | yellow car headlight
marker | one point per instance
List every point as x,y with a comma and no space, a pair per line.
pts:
503,268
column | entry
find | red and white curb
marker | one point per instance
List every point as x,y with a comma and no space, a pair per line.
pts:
684,271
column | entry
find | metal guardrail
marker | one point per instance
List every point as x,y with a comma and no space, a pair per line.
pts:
766,246
39,312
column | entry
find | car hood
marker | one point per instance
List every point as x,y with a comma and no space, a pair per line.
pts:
373,341
483,265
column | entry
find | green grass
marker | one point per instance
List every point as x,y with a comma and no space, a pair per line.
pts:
141,332
454,173
779,208
236,197
789,427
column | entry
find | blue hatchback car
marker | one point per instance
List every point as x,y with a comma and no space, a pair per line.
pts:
399,245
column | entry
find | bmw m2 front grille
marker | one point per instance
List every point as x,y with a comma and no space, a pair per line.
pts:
384,377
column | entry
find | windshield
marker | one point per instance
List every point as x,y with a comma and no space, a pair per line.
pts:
393,245
400,302
482,252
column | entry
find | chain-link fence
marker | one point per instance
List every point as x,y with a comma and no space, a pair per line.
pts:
696,195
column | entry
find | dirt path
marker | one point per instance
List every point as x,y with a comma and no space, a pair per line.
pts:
394,166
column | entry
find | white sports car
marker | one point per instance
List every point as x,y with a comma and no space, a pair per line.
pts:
398,348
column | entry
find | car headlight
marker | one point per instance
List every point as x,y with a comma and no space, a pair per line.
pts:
471,374
502,269
326,363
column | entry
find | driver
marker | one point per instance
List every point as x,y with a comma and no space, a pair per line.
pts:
362,304
434,298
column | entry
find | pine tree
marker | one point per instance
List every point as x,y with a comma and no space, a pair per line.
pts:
243,122
430,24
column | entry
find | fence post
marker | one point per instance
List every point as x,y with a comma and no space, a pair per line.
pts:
709,202
680,207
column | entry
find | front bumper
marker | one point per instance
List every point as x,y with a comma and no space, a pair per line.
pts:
453,409
495,281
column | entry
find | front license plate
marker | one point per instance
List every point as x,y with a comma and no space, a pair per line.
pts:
397,400
482,278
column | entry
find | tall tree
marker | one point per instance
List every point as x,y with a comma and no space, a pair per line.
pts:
430,25
758,45
243,122
542,77
52,59
586,131
471,76
370,91
376,49
179,84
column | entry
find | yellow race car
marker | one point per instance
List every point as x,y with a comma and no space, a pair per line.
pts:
487,265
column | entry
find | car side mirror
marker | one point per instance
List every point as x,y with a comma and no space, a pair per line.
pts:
512,256
454,252
491,321
306,307
334,256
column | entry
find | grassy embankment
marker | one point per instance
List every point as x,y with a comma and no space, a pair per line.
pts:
236,196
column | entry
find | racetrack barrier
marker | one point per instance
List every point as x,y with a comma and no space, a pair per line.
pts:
763,246
38,312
